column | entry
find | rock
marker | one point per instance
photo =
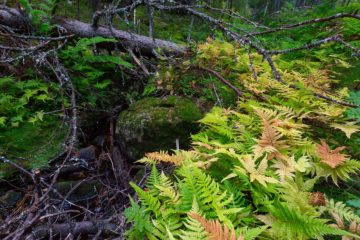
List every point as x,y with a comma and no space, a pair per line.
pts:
80,190
9,199
88,153
36,143
154,124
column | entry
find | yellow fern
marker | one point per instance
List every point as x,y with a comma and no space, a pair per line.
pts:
348,128
256,173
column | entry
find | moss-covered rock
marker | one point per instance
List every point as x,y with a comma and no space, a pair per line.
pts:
31,145
153,124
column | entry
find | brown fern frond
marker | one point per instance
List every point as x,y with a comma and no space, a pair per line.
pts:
215,230
332,158
163,156
270,137
270,141
339,222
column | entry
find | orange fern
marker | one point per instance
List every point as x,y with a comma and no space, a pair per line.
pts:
215,230
165,157
270,140
332,158
270,137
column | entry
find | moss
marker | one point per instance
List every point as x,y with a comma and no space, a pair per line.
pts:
33,144
154,124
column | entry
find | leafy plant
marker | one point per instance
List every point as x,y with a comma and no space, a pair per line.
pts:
91,72
22,101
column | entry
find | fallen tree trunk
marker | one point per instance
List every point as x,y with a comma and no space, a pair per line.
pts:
139,43
74,228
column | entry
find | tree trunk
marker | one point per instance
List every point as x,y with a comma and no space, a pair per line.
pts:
12,18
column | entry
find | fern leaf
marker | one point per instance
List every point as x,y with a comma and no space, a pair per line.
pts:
348,128
341,172
342,210
294,224
215,230
332,158
149,201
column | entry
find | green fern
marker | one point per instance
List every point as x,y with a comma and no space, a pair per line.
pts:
140,219
148,200
291,223
193,228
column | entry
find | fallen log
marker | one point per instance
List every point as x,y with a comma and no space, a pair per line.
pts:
145,45
74,228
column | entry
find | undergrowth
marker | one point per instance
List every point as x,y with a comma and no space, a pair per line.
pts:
280,164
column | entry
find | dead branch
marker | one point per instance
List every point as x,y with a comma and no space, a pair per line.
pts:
218,76
335,38
307,22
75,228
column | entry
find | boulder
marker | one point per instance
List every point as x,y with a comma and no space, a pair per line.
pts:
154,124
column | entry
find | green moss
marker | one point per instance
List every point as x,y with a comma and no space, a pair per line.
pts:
32,144
152,124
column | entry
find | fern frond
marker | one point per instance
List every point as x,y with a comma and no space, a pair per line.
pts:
194,229
255,172
252,233
167,225
196,184
271,139
167,189
348,128
341,172
293,224
148,200
342,210
333,158
163,156
215,230
152,180
140,219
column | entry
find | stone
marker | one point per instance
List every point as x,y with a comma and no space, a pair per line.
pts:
154,124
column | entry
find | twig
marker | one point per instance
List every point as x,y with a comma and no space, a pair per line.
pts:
218,76
17,166
307,22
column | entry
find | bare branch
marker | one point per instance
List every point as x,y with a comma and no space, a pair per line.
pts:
307,22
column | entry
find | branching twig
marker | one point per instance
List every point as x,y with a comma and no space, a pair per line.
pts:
218,76
307,22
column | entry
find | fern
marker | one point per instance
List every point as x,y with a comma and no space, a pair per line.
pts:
141,225
214,229
342,211
194,229
207,193
290,223
148,200
342,172
330,157
274,174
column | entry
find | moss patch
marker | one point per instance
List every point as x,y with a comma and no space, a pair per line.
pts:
153,124
33,144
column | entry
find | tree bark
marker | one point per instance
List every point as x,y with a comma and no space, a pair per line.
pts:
139,43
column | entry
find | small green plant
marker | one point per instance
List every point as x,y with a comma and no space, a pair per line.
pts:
93,74
23,101
40,13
